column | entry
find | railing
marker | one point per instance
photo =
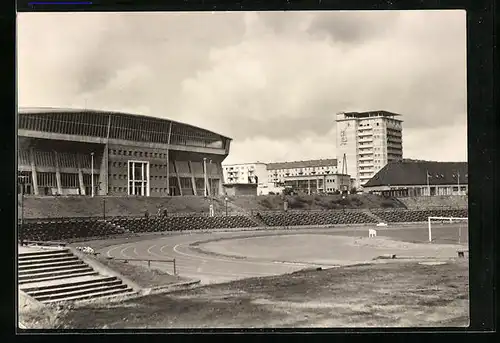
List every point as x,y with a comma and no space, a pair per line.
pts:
144,260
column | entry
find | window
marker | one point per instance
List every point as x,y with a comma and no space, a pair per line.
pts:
138,178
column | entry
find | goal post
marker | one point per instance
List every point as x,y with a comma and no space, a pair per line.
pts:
445,220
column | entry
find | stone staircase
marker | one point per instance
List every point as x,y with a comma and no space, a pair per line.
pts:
374,216
55,275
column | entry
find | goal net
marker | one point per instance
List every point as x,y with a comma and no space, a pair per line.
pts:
448,229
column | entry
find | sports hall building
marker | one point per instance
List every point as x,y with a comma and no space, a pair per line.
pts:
408,178
61,150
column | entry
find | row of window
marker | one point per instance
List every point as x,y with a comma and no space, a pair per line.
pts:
124,189
300,169
120,128
137,153
124,164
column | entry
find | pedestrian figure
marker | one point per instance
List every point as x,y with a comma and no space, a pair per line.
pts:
146,214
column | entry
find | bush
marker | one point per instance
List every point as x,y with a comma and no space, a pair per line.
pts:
331,205
294,204
266,203
356,201
299,202
387,204
344,202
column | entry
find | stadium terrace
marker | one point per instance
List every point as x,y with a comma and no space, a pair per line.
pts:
87,152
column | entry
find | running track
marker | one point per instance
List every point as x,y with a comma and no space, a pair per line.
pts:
215,269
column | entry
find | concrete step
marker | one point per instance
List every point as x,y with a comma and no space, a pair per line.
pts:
46,260
83,293
45,278
105,294
65,288
43,269
44,256
44,274
78,281
42,253
50,264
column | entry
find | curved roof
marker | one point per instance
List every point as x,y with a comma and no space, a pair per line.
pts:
54,110
414,173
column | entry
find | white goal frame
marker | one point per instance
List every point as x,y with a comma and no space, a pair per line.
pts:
451,219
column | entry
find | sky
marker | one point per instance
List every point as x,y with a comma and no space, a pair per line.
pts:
272,81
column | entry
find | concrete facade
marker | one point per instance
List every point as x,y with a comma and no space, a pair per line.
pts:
58,163
419,190
318,184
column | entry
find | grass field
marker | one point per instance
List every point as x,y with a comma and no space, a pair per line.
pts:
388,294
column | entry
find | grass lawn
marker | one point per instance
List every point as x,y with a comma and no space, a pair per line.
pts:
388,294
141,274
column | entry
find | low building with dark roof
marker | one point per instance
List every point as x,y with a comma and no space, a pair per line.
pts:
236,189
420,178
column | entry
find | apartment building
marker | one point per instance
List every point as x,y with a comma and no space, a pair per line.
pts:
245,173
279,172
369,140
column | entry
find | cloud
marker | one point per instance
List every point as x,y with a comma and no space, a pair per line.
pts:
272,80
355,27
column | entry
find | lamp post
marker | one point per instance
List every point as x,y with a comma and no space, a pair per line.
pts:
226,199
92,173
209,182
103,208
428,184
205,175
21,180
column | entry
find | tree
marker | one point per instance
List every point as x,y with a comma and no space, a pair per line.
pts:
354,190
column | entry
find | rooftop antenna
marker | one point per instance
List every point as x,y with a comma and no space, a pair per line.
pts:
344,172
344,165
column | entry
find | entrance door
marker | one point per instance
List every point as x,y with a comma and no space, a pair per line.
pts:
139,189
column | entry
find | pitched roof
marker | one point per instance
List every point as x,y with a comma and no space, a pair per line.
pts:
302,164
414,172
